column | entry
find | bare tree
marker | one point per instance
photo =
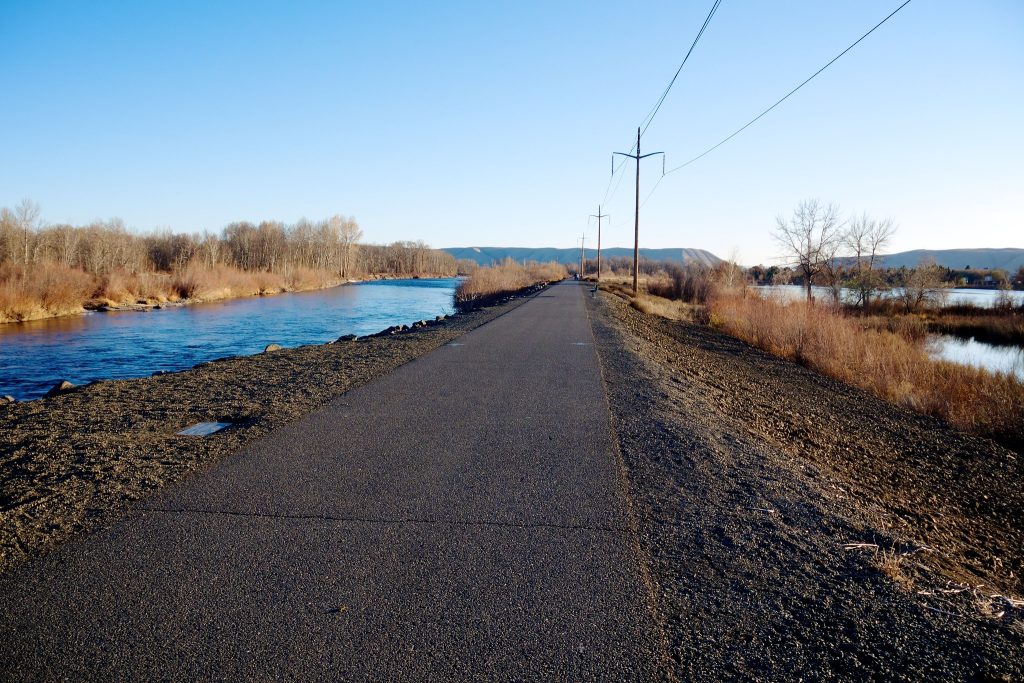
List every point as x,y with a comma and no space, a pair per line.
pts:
865,238
922,286
831,275
349,233
26,216
809,238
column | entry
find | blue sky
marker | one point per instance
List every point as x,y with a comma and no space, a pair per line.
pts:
470,123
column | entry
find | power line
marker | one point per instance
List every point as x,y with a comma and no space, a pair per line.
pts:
650,116
612,177
787,95
654,111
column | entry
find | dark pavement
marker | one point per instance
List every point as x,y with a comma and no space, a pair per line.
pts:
460,518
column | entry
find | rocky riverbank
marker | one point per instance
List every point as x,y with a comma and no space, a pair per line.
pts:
798,528
77,460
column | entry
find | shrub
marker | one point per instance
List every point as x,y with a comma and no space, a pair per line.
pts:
500,280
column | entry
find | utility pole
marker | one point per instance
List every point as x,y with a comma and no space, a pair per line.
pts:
636,223
599,216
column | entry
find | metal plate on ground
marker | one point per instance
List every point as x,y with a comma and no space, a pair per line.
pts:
204,428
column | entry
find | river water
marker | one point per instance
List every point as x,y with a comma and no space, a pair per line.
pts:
117,345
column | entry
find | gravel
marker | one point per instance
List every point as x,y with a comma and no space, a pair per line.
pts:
798,528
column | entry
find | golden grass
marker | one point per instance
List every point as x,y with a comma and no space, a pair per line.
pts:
666,308
49,289
892,366
506,278
32,293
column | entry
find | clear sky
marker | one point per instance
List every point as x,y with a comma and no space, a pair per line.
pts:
486,123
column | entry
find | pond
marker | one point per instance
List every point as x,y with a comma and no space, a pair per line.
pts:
117,345
1004,359
983,298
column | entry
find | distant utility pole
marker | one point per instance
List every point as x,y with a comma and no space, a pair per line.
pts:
583,239
599,216
636,224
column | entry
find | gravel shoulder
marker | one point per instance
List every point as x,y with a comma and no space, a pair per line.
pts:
75,462
798,528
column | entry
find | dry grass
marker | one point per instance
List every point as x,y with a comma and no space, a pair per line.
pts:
32,293
666,308
506,278
1003,323
49,289
996,327
892,564
892,366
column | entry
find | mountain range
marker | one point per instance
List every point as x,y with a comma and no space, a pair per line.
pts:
1007,259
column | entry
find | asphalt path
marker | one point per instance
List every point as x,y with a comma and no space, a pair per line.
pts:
462,517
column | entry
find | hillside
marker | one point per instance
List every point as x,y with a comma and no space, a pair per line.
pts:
488,255
1008,259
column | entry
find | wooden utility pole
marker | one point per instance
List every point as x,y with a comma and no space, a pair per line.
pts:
636,223
599,216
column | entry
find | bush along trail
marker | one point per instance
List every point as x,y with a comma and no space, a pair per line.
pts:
797,527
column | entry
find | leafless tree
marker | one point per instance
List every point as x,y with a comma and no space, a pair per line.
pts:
26,217
349,233
809,238
865,238
923,286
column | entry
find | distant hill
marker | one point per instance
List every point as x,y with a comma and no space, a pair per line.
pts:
488,255
1006,259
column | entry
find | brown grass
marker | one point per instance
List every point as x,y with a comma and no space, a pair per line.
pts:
995,328
893,366
506,278
666,308
49,289
1002,323
32,293
892,564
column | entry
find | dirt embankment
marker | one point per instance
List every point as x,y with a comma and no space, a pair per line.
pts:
74,462
797,527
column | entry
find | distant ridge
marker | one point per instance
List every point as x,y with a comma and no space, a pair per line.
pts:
488,255
1008,259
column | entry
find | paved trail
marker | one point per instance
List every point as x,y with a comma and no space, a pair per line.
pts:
462,517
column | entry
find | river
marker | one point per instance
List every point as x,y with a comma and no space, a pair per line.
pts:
118,345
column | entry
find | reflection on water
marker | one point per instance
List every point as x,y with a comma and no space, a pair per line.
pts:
1004,359
116,345
983,298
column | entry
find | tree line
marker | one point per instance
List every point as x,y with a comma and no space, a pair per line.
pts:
332,245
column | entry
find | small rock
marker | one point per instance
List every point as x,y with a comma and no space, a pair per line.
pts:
59,388
272,347
7,399
347,337
440,318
